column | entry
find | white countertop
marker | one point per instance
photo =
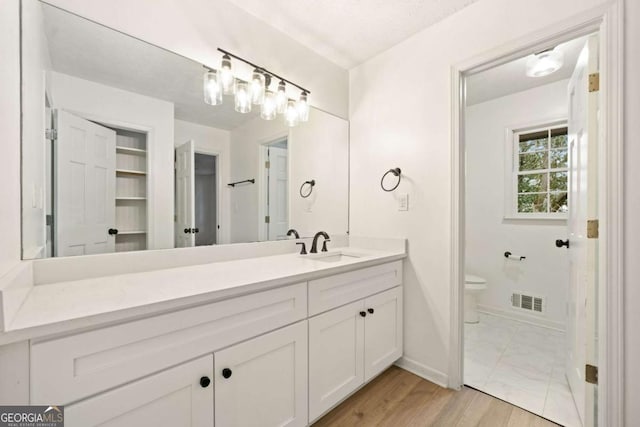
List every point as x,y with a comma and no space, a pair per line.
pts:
64,306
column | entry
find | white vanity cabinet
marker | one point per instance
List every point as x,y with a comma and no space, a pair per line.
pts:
351,344
263,381
176,397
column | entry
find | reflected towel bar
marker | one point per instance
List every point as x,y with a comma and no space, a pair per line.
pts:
513,257
233,184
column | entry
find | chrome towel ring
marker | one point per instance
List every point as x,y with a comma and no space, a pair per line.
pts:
396,172
311,185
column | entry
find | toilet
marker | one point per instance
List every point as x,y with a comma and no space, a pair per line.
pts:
473,285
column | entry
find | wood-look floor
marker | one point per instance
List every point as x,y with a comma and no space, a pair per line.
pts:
399,398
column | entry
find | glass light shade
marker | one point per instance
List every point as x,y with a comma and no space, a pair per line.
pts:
243,97
212,88
291,114
303,107
257,87
281,98
268,109
544,63
226,76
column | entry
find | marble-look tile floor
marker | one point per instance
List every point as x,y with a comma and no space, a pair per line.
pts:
522,364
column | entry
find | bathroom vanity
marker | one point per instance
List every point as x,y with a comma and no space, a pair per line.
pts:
265,341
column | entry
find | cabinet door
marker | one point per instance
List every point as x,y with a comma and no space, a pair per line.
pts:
383,331
263,381
172,398
336,356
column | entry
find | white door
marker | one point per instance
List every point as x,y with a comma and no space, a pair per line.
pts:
278,191
185,195
171,398
85,187
336,356
582,134
263,382
382,331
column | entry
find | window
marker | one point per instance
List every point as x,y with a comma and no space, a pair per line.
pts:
539,173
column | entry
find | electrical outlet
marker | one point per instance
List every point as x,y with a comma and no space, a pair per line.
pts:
403,202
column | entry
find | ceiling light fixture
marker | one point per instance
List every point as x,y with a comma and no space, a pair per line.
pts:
255,91
544,63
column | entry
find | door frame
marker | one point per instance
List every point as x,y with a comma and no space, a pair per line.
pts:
607,20
218,184
263,144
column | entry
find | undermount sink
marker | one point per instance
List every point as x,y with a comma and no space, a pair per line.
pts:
334,256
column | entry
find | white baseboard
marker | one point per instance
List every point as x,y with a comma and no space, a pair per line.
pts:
522,317
423,371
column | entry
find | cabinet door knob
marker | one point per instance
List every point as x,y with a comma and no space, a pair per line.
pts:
204,382
226,372
370,310
363,313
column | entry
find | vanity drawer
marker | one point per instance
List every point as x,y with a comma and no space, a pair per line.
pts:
67,369
334,291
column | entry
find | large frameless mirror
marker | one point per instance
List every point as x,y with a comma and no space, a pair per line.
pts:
120,151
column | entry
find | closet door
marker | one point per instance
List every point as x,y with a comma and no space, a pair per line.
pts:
383,331
177,397
336,356
263,382
85,186
185,195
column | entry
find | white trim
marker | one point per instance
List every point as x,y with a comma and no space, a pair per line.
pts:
523,317
608,20
423,371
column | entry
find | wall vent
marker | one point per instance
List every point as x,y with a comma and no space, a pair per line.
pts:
533,303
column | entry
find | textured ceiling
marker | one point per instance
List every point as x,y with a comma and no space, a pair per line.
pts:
510,78
349,32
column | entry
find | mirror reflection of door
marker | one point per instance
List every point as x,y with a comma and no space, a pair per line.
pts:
85,186
277,186
185,195
205,200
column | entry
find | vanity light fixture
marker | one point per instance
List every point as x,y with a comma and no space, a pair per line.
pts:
256,91
242,97
291,114
226,75
544,63
257,87
281,97
212,87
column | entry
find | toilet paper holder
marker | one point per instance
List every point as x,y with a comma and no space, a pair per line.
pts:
509,255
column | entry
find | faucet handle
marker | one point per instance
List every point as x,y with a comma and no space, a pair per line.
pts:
324,245
303,251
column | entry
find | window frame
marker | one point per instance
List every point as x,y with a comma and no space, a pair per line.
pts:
512,161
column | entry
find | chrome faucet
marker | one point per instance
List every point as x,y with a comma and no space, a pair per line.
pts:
314,245
293,232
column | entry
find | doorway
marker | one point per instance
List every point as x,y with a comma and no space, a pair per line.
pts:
600,331
274,189
206,199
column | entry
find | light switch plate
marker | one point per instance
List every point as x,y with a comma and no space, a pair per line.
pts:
403,202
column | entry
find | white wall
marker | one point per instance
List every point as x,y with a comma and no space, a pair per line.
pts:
319,150
196,28
211,140
400,114
244,199
546,269
37,63
117,107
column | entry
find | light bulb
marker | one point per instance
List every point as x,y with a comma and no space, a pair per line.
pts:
212,88
226,76
257,87
281,97
243,97
291,114
303,107
268,109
